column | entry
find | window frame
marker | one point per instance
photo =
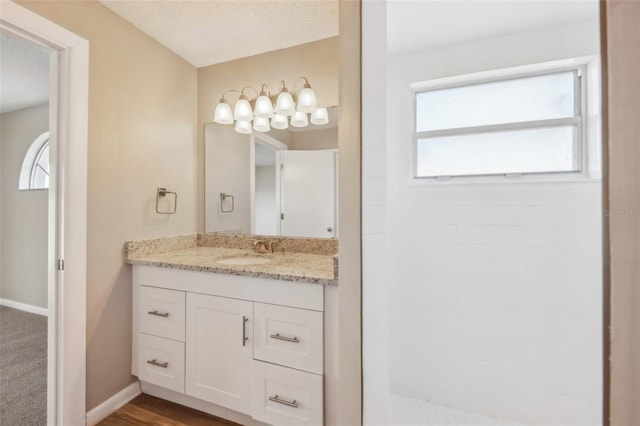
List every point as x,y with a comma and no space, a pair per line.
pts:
31,162
579,66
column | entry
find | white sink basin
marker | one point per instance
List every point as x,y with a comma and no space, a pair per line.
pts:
245,260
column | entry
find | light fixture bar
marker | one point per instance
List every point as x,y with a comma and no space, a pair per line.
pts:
265,115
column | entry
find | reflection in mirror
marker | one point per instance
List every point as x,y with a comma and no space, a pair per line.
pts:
283,182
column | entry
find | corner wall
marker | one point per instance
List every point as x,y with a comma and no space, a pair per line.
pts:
622,201
24,225
375,283
496,302
142,135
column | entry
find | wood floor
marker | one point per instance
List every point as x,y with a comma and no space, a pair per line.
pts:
149,410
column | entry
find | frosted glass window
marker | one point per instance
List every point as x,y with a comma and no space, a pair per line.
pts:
519,125
540,97
518,151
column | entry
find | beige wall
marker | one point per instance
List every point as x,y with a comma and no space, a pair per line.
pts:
142,135
24,226
314,139
318,61
349,350
622,207
228,171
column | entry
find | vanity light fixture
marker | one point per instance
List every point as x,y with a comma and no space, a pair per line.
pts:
223,114
243,127
299,119
285,105
279,122
320,117
264,115
264,107
261,124
243,111
307,101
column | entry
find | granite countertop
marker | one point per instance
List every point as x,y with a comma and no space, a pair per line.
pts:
201,252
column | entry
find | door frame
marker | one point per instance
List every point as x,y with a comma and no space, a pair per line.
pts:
69,86
276,145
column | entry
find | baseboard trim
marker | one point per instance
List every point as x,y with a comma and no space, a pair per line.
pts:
111,405
24,307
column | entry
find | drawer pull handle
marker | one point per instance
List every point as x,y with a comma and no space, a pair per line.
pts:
293,403
158,314
244,330
286,339
158,363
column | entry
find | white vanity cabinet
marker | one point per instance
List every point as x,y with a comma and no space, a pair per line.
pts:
219,350
250,345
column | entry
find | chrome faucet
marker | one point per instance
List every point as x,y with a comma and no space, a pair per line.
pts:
262,246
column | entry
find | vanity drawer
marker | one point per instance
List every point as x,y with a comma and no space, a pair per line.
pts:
161,362
162,312
283,396
288,336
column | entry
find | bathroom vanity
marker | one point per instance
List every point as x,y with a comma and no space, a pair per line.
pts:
229,331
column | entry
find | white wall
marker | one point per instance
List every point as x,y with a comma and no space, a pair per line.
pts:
495,298
375,320
265,198
24,215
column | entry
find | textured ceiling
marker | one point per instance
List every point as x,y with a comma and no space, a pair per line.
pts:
24,73
213,31
423,24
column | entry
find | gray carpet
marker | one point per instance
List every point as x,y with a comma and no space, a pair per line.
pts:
23,368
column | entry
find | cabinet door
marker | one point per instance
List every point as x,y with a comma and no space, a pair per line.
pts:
219,350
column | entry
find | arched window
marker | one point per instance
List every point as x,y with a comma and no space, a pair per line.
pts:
35,167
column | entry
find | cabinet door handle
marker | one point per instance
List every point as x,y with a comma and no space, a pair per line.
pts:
293,339
158,314
244,330
293,403
158,363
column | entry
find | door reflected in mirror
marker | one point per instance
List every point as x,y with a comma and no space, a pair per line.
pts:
283,182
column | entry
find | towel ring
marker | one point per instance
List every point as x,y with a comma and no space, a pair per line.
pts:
161,193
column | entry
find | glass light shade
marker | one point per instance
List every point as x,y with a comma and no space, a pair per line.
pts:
223,114
307,101
243,127
279,122
264,107
285,105
261,124
243,110
299,119
320,117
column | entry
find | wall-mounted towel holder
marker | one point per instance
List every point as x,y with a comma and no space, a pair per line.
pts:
161,193
223,198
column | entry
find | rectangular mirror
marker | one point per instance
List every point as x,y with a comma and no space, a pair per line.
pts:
281,182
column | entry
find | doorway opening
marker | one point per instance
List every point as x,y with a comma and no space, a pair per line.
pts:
24,222
485,306
63,210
